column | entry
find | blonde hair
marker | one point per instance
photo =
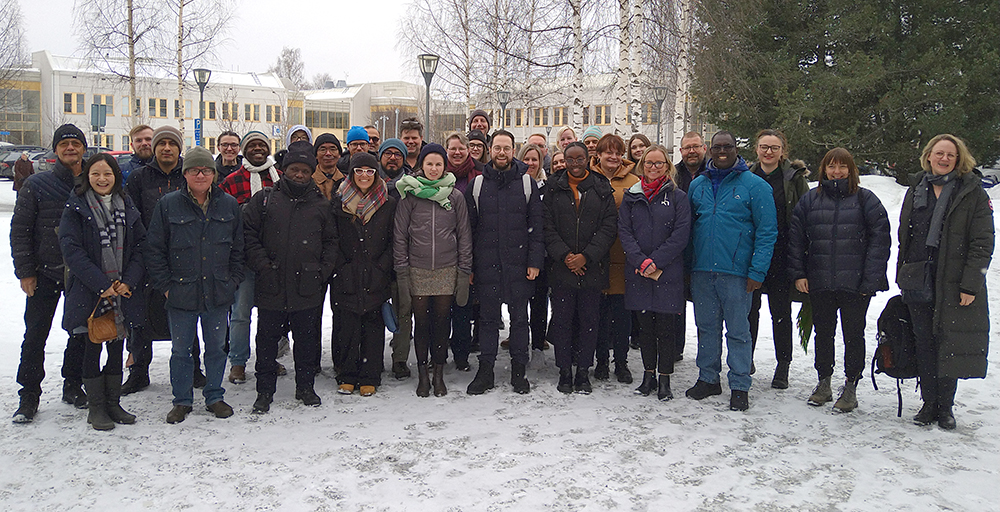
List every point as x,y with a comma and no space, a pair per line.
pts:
640,166
963,164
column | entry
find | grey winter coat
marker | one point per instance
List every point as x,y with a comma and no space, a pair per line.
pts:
427,236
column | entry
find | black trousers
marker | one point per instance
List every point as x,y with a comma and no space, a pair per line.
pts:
431,326
92,357
852,307
362,338
780,303
461,329
538,310
580,308
657,346
933,388
39,309
271,326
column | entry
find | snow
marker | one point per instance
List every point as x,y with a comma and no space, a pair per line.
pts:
611,450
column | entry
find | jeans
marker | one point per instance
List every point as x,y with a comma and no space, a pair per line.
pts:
722,298
490,302
39,309
614,330
140,343
239,322
585,306
271,326
183,330
853,308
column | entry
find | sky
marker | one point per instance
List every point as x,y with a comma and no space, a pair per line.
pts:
352,41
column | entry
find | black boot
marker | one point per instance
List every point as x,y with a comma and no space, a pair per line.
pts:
648,383
780,380
27,407
483,380
439,387
622,373
663,390
927,414
263,403
565,380
74,395
581,384
98,414
113,395
602,371
423,381
517,378
138,379
946,418
946,398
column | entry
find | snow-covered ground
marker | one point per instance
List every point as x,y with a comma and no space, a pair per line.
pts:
611,450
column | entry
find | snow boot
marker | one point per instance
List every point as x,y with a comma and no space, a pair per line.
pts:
565,380
602,371
848,400
98,414
663,389
517,379
138,379
822,394
739,400
74,394
483,380
112,396
423,381
702,390
927,414
946,418
27,408
263,403
622,373
582,382
648,383
438,381
780,380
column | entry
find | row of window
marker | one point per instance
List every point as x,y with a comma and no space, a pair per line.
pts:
323,119
74,103
561,116
108,141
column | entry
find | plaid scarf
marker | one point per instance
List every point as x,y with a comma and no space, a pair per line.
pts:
111,231
436,190
362,206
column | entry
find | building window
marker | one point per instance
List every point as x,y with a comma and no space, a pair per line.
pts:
295,115
541,117
507,118
108,100
251,112
602,114
586,116
211,145
136,106
104,140
323,119
519,117
187,142
125,142
650,114
274,113
230,111
73,103
157,107
209,107
559,116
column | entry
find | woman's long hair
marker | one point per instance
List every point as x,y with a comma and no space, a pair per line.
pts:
112,163
842,156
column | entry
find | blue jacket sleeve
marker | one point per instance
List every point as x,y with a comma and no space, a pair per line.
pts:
765,222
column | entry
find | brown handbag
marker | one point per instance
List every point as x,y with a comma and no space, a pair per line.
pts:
102,328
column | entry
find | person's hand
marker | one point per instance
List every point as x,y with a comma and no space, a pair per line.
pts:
576,262
649,268
964,299
472,279
122,289
166,294
28,285
802,285
110,292
532,273
752,285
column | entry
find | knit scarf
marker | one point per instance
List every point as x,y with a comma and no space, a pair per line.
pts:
650,188
948,182
463,170
255,180
436,190
111,232
360,205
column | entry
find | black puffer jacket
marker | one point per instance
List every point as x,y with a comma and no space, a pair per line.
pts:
360,283
839,241
148,184
589,229
34,239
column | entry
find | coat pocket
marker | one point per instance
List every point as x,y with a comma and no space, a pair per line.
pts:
310,279
224,289
916,282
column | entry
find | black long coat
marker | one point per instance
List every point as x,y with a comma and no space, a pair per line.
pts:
360,284
589,229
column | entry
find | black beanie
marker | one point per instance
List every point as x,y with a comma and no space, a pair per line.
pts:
68,131
327,138
299,152
363,159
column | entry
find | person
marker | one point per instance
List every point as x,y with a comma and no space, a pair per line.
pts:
297,133
141,140
392,159
479,120
412,135
38,264
733,232
22,169
432,247
478,145
637,145
654,225
616,323
538,304
539,139
229,159
508,251
101,236
946,240
789,181
194,256
357,140
564,136
838,249
291,246
580,226
558,162
531,155
374,139
327,176
364,214
591,136
690,166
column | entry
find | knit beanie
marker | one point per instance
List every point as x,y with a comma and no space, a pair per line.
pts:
168,132
198,157
299,152
362,159
328,138
357,133
428,149
480,113
593,131
251,136
68,131
392,143
480,136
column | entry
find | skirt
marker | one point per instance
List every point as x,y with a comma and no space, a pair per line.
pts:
432,282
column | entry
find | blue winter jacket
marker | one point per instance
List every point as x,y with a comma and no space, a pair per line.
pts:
733,231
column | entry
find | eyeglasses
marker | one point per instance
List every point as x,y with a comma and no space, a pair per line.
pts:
204,171
229,145
374,139
581,159
654,165
392,154
330,149
692,147
362,171
503,149
477,145
942,154
722,147
357,144
765,148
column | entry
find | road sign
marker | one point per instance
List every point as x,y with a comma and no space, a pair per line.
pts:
98,117
197,132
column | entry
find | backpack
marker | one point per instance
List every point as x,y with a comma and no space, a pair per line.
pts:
477,186
896,354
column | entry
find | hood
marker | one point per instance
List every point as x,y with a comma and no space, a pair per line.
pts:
739,166
288,134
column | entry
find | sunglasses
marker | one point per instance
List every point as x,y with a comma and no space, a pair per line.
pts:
364,171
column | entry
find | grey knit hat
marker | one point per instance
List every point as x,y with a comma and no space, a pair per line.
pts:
168,132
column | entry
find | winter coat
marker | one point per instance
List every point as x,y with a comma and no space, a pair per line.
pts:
658,229
360,284
81,243
225,170
964,254
326,184
34,240
149,183
195,256
237,184
427,236
589,229
733,230
133,164
839,241
507,231
620,182
291,245
683,177
789,182
22,169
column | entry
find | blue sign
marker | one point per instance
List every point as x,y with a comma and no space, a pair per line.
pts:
197,132
5,133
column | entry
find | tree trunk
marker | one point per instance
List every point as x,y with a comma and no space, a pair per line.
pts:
680,117
622,87
637,65
577,115
180,64
131,65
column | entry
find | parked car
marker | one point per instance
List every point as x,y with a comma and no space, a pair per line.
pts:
46,162
7,169
122,157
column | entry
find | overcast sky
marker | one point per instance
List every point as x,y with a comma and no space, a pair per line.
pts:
350,40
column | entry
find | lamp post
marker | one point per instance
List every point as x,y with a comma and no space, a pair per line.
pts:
659,94
428,65
201,76
503,98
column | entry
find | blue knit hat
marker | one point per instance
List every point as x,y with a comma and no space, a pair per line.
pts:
357,133
391,143
593,131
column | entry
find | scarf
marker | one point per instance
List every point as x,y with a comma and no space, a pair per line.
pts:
255,179
650,188
574,185
362,206
948,182
436,190
111,232
463,170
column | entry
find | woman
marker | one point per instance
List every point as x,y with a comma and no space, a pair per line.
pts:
945,246
101,235
789,182
558,162
478,143
591,137
654,224
531,155
838,249
538,305
616,322
460,161
637,145
433,258
364,213
564,136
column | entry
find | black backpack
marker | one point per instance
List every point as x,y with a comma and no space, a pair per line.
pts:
896,354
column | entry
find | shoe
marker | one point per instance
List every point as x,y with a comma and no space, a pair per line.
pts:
220,409
633,343
601,371
400,370
622,373
483,381
112,400
309,396
663,392
263,403
423,381
462,364
517,379
238,374
74,395
565,381
138,380
438,381
753,368
26,408
679,358
97,416
780,380
648,383
199,379
581,384
178,413
848,400
505,343
343,389
702,390
544,345
367,390
282,371
739,401
946,419
283,347
927,414
822,394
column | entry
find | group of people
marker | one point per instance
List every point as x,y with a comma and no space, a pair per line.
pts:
432,240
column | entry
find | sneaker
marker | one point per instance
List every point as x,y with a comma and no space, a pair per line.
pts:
739,401
283,347
27,408
262,404
367,390
308,396
220,409
822,394
178,413
702,390
622,373
282,371
238,374
199,379
602,371
343,389
401,371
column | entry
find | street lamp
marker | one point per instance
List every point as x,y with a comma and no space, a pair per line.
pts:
201,76
428,65
659,94
503,98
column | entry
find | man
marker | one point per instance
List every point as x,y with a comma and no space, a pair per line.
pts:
141,140
374,138
38,263
479,120
327,176
734,227
291,244
505,212
392,160
357,142
229,158
22,169
258,171
412,135
194,259
540,140
691,165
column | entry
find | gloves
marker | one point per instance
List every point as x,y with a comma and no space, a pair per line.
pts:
462,289
403,281
645,264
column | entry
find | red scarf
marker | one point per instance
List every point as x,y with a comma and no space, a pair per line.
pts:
463,170
650,188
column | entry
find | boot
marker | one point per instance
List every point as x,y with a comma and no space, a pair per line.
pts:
138,379
780,380
98,414
927,414
663,390
517,379
648,383
739,400
263,403
822,394
565,380
702,390
848,400
423,381
622,373
27,408
113,395
439,387
483,380
946,419
581,384
74,395
602,371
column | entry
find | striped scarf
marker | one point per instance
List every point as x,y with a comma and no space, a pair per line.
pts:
362,206
111,232
436,190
